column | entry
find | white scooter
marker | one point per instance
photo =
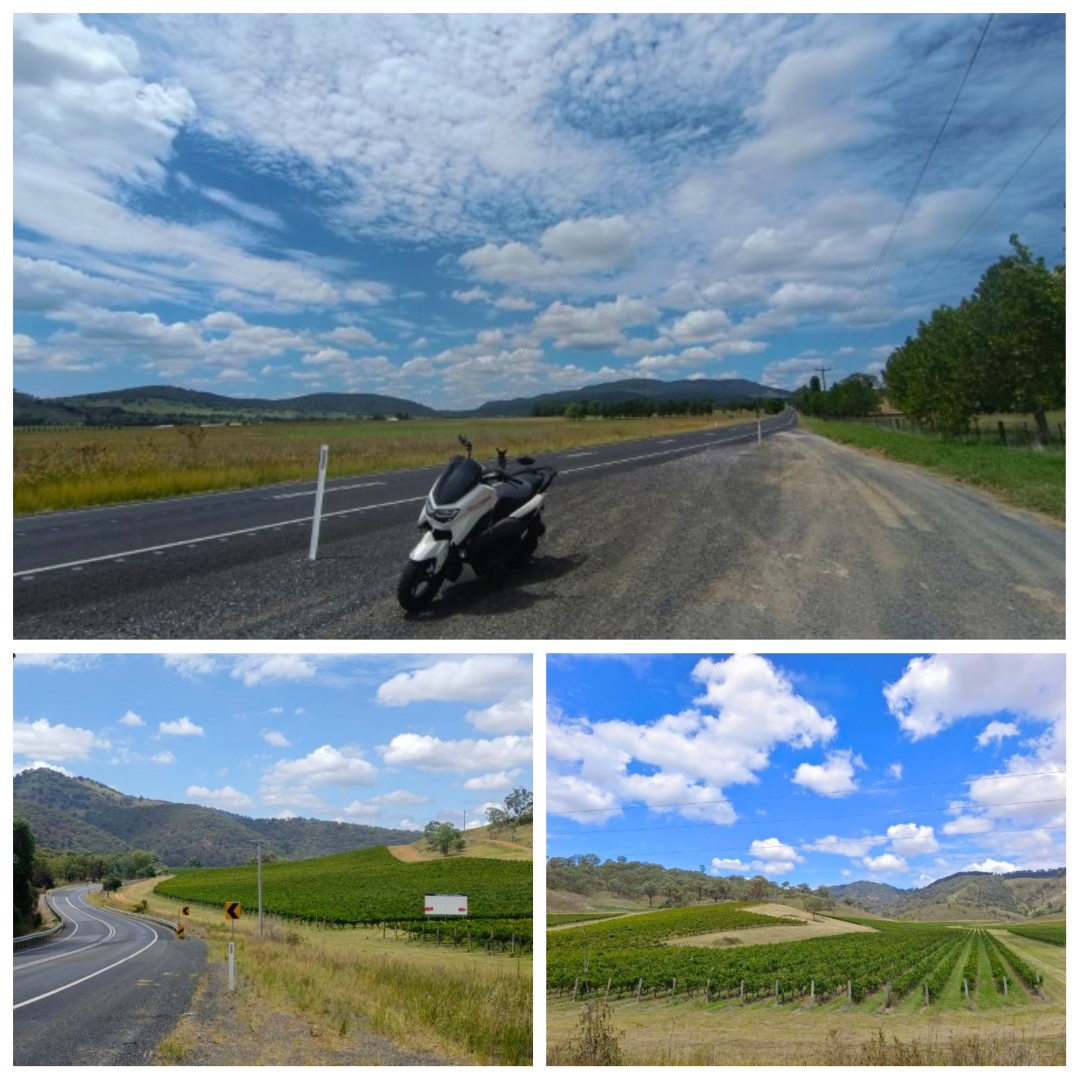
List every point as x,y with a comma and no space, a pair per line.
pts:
487,518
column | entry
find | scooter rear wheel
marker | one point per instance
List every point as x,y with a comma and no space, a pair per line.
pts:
418,584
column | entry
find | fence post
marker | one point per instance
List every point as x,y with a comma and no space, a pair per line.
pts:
849,990
926,993
574,997
607,992
811,991
742,989
777,991
1005,985
966,997
320,487
638,1002
673,981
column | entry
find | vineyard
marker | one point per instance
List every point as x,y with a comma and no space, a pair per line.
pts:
372,888
1051,932
582,916
635,956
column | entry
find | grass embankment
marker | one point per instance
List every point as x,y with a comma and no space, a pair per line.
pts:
471,1006
1026,478
67,469
481,843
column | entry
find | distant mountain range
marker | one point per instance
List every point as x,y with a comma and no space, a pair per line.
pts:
968,895
721,391
148,405
78,814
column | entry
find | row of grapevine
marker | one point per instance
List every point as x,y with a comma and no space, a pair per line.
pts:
1024,971
971,967
563,918
1051,932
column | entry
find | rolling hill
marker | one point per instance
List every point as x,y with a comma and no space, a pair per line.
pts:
174,405
78,814
152,405
1021,894
720,391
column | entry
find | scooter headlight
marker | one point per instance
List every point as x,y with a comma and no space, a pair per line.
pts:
442,514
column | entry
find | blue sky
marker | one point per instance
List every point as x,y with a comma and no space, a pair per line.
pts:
395,741
459,208
809,768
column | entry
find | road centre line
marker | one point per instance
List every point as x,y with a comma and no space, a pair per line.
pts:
93,974
330,490
217,536
72,952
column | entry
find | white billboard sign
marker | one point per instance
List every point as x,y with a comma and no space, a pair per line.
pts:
446,904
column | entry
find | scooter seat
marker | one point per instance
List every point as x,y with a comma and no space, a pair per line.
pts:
515,491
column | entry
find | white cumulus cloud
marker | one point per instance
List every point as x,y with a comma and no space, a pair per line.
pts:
183,726
835,778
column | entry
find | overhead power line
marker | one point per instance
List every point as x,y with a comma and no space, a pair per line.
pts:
1001,191
714,851
836,791
768,822
883,254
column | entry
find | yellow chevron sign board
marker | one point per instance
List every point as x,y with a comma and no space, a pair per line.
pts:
232,909
186,910
180,931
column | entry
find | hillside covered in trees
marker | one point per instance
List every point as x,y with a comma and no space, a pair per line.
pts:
970,894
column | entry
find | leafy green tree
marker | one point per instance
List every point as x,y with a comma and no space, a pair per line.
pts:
24,895
519,805
759,887
1002,349
1021,308
444,838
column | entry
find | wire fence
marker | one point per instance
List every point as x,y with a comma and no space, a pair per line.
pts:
1002,432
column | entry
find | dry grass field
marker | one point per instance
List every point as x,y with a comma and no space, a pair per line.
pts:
67,469
479,844
809,927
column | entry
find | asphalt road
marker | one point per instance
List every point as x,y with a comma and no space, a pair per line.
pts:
105,992
796,538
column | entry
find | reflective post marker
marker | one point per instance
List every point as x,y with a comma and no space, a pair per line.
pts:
232,967
759,432
320,488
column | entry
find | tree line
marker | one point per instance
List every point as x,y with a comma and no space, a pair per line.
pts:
857,395
642,406
1002,349
672,887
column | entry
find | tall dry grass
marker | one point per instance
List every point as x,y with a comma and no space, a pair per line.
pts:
67,469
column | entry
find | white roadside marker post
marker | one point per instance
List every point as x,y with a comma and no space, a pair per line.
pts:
320,488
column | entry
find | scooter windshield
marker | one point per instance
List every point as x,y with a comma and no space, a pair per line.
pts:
461,476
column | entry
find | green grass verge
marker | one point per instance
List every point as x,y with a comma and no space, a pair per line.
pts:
1029,479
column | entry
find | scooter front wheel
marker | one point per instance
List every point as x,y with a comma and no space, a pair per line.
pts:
418,584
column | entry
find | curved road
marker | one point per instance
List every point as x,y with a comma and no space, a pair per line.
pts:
106,991
709,536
